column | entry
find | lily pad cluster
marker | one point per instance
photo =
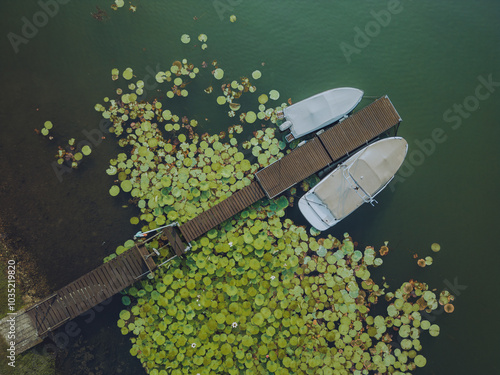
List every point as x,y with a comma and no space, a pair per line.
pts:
233,91
47,125
258,294
71,154
120,3
177,179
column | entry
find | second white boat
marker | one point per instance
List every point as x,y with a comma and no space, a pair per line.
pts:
320,110
354,182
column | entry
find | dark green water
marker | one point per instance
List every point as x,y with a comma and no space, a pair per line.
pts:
428,57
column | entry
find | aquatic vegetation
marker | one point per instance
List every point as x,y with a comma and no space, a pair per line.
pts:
258,294
100,14
120,4
435,247
46,127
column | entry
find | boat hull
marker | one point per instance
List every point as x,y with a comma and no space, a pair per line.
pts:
322,109
355,182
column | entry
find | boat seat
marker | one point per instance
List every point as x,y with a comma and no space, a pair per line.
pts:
285,125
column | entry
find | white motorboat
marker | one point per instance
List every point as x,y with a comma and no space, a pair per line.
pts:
354,182
319,110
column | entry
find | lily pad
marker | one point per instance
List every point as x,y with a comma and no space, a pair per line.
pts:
86,150
435,247
218,73
250,117
128,73
256,74
274,94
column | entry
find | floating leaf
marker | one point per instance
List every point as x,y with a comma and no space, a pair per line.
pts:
128,73
435,247
420,360
263,99
218,73
274,95
250,117
86,150
114,190
256,74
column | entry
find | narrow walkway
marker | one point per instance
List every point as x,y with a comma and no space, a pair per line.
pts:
36,322
221,212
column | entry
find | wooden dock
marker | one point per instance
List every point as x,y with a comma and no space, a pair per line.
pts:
329,147
35,323
222,211
38,321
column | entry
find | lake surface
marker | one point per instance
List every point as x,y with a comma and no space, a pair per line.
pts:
439,62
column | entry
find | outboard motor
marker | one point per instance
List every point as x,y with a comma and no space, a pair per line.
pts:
285,125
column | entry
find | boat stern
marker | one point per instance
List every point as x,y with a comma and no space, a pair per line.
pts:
312,216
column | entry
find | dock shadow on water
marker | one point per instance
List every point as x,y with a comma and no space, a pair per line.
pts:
84,346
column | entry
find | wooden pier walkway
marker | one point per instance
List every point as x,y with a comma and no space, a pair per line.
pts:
36,322
221,212
329,147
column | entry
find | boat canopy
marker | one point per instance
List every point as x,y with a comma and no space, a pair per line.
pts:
321,109
362,176
377,164
338,195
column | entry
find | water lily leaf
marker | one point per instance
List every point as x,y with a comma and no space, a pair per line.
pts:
114,191
274,95
256,74
128,73
218,73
